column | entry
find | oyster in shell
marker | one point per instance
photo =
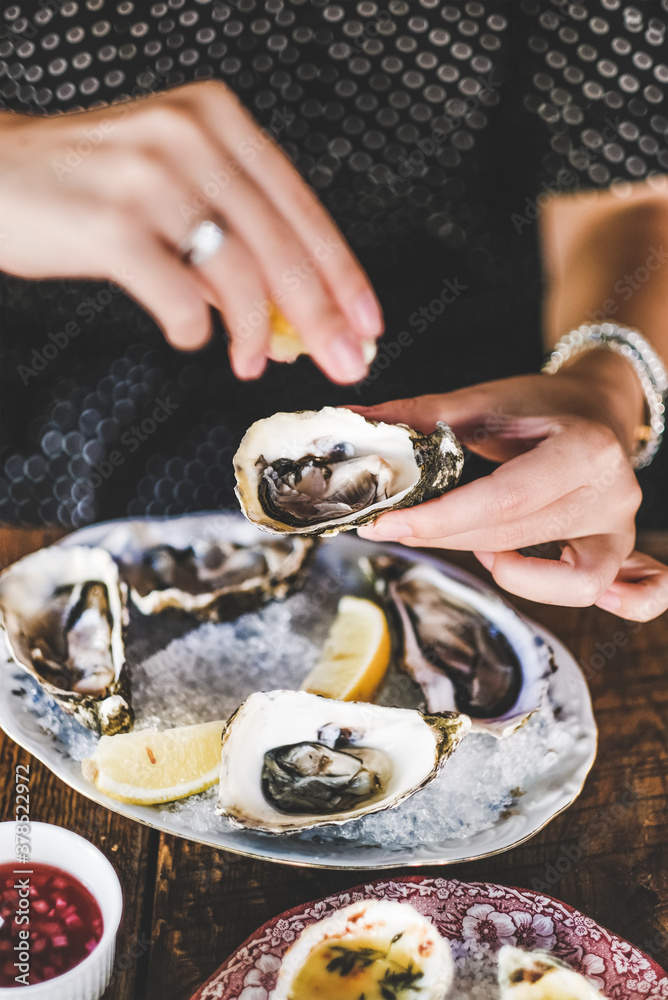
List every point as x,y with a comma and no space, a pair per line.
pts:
375,948
212,568
62,611
292,761
538,975
467,649
319,472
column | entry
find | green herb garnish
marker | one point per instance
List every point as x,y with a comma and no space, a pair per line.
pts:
349,958
394,983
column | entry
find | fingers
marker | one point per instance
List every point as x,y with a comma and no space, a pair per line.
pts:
572,516
587,568
238,293
278,256
229,280
310,309
167,288
167,162
512,492
342,273
420,412
273,173
478,415
639,591
483,407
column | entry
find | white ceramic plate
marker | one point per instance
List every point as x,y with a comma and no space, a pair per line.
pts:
44,731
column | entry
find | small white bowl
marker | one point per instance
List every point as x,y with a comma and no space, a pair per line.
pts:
53,845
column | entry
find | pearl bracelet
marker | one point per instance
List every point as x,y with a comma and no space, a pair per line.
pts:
647,365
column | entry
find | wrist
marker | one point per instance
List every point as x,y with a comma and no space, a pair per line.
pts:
610,391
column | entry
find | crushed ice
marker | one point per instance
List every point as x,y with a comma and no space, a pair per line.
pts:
205,671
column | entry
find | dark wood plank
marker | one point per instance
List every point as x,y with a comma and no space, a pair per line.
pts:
606,855
126,844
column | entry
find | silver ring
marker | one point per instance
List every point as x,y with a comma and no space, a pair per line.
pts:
202,242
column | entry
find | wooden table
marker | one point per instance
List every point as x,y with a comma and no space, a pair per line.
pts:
187,907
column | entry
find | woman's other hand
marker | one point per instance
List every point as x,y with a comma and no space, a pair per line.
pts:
114,193
564,476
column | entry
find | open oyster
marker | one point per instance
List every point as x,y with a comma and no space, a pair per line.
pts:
212,568
538,975
292,761
318,472
467,649
62,612
375,948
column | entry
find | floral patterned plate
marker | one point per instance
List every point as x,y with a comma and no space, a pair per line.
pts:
477,918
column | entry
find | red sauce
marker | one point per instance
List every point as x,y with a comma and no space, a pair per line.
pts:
51,922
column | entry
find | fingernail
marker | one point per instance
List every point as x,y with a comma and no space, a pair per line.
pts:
368,317
255,366
486,558
366,531
348,362
392,528
609,602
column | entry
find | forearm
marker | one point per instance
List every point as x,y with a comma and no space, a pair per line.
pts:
605,259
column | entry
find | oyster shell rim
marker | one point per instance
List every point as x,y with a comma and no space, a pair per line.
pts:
112,712
438,456
221,603
447,728
543,664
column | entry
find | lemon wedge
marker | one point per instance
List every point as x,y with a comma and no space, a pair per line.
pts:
147,767
356,654
287,345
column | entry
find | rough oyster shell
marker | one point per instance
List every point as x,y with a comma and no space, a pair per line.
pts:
214,568
468,649
62,611
319,472
389,937
406,750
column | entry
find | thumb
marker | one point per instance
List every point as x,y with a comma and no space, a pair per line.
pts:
463,409
420,412
481,416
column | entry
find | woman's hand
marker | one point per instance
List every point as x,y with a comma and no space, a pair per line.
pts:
113,193
564,476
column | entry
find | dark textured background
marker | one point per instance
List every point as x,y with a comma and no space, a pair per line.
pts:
356,93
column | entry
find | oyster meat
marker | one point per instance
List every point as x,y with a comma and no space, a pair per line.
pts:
300,777
292,761
375,948
62,612
214,569
467,649
324,471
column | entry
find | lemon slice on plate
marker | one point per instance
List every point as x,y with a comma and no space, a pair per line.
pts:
287,345
356,653
147,767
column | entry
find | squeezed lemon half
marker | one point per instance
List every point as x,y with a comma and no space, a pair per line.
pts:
287,345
